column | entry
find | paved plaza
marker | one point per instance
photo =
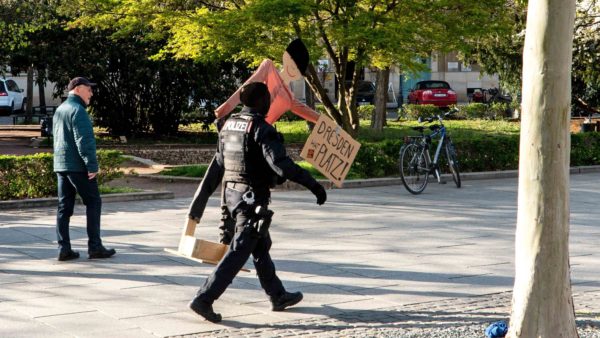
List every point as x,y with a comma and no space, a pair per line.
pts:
371,262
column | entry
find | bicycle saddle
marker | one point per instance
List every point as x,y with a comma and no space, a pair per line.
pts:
418,128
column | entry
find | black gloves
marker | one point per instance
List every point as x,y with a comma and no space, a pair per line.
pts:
319,191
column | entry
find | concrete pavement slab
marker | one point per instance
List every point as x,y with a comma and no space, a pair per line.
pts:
86,322
15,324
366,256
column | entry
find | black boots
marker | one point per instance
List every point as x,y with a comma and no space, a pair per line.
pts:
68,255
205,310
287,299
101,253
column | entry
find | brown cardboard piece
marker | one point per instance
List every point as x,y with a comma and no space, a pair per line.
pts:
198,249
330,150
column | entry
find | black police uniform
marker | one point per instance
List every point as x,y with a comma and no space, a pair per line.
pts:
252,156
208,185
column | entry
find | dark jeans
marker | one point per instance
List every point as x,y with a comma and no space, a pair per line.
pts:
245,242
69,184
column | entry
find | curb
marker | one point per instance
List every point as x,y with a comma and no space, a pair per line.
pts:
53,201
378,182
349,184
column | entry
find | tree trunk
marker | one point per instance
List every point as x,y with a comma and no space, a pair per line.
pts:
381,98
319,91
309,96
41,86
310,101
542,300
29,111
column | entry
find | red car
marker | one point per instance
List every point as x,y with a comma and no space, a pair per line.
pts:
433,92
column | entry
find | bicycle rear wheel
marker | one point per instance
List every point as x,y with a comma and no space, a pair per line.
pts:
413,168
453,162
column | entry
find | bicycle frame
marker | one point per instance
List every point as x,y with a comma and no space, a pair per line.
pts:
440,133
416,163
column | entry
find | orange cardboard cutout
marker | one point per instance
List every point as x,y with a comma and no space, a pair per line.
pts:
330,150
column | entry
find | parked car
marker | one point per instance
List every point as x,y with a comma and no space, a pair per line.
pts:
11,97
365,93
433,92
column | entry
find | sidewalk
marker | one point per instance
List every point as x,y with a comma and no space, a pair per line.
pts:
371,262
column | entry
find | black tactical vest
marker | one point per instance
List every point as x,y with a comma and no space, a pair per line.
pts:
243,158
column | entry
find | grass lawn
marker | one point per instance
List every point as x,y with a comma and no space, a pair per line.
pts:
105,190
186,170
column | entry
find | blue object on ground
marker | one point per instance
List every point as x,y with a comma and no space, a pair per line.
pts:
496,330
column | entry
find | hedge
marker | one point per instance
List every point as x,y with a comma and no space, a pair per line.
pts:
485,153
32,176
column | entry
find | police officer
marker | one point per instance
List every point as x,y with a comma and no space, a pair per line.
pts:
252,156
208,185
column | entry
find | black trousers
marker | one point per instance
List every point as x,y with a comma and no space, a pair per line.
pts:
246,242
69,184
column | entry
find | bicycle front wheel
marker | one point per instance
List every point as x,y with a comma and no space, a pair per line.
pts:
453,162
413,168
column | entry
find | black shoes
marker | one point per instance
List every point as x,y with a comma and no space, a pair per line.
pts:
205,310
71,254
287,299
102,253
68,255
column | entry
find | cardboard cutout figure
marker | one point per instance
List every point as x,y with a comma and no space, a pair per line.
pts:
295,63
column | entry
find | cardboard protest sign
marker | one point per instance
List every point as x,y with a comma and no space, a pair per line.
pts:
330,150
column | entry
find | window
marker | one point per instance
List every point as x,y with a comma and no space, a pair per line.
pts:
12,86
453,66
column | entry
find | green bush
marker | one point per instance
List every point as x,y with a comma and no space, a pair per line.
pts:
26,176
585,149
500,110
479,154
475,153
414,111
475,111
110,164
32,176
366,112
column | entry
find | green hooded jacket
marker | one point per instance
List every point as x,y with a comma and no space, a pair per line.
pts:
74,141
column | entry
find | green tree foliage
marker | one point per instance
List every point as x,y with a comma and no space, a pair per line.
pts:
355,32
503,54
135,93
586,59
18,19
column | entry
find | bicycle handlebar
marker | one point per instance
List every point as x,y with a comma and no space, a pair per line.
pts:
437,117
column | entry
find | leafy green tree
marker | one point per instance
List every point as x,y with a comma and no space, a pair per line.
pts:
586,59
24,24
363,32
135,94
502,54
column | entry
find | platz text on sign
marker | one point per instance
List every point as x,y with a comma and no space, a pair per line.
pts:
330,150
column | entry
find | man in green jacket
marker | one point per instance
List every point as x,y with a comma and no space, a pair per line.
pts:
76,167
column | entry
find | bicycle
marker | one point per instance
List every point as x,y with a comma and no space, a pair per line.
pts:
415,160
